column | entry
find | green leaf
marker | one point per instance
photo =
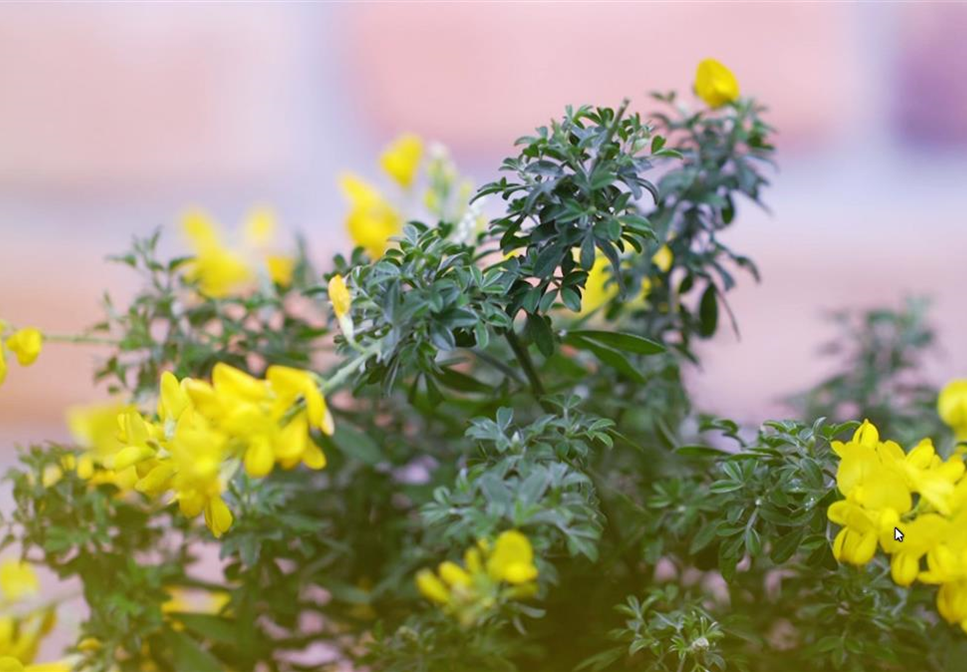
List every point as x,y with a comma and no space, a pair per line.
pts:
211,627
538,330
704,537
357,444
622,341
609,356
787,545
548,260
461,382
187,654
701,451
708,312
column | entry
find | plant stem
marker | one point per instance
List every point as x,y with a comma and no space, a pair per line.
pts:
499,365
527,364
80,339
337,378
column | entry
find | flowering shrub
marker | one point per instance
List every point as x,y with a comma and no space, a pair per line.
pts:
467,445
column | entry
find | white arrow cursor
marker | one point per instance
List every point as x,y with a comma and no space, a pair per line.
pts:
897,534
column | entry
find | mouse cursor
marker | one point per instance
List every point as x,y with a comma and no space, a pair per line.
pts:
897,534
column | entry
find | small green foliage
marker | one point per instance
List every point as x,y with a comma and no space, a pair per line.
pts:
477,396
879,375
576,186
159,331
669,632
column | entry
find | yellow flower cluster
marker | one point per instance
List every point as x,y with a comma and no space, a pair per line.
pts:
952,407
25,344
20,636
375,218
220,269
491,574
203,432
715,83
880,483
372,218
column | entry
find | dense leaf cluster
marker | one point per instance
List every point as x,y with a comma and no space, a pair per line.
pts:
472,397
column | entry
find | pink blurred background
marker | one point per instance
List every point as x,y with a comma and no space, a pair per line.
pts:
117,116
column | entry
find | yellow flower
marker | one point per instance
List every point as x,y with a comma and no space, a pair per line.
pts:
217,269
26,344
17,581
372,221
3,363
876,492
600,288
512,559
402,159
197,452
715,83
205,430
920,536
290,384
339,296
341,304
663,258
924,472
951,405
490,575
280,269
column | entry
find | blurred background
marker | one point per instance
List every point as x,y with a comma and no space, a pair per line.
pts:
115,117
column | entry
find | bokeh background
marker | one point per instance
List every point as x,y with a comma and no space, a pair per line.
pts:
115,117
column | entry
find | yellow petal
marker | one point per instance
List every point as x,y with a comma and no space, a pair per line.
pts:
131,456
203,396
867,434
227,380
357,191
952,403
174,399
292,441
259,459
431,587
26,344
200,231
663,258
3,363
313,457
339,295
218,517
904,568
454,574
280,269
402,159
156,481
372,221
